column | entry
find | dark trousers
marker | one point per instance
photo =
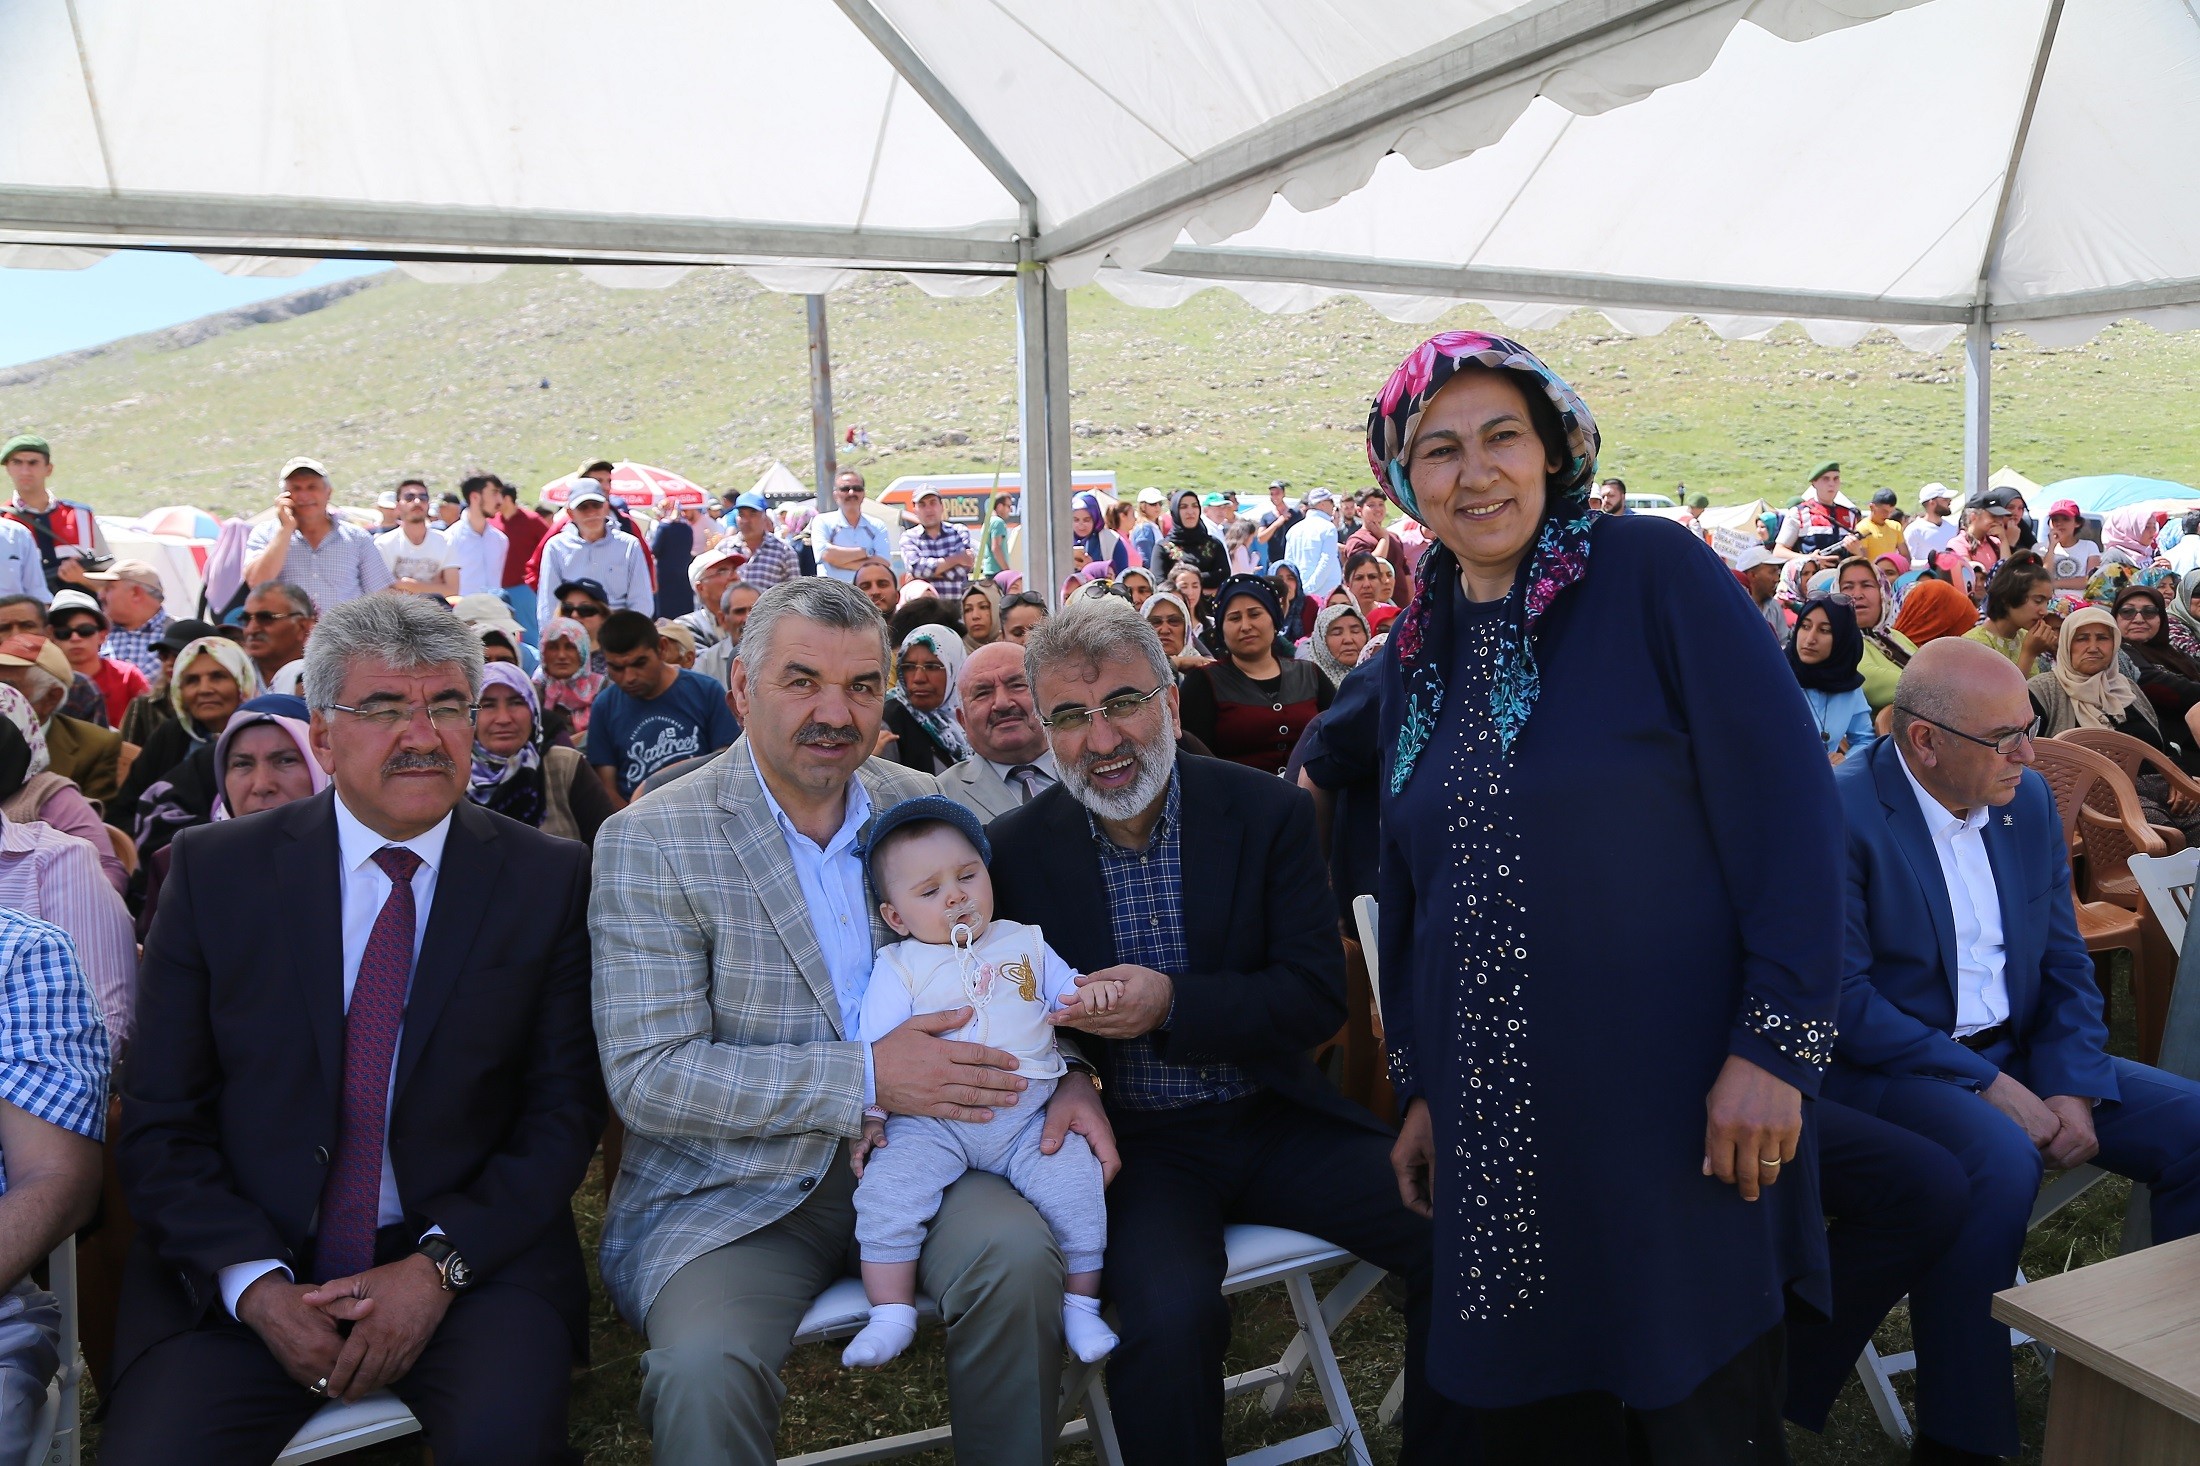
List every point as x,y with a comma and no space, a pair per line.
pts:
490,1388
1262,1160
1895,1201
1966,1386
1732,1419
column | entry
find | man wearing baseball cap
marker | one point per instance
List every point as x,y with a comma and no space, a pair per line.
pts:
134,596
1931,531
78,625
62,530
768,559
1989,530
591,547
1759,568
308,547
937,552
1273,529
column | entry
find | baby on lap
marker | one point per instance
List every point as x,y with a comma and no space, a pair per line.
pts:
927,862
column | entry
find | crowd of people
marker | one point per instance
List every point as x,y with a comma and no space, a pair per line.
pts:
861,902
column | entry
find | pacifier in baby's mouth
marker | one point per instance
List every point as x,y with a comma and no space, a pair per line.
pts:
962,936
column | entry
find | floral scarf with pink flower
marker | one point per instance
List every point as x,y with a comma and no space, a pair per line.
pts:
1559,558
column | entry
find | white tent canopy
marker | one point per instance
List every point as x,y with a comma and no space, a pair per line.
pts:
1937,166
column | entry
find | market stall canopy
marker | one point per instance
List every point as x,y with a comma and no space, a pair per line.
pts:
2096,494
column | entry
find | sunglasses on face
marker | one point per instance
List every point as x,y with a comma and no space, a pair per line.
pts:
80,630
267,618
584,611
2141,612
412,498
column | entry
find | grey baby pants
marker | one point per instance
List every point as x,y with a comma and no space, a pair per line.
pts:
902,1180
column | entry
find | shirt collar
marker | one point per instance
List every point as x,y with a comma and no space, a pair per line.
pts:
852,819
1164,828
1044,763
16,837
1939,819
356,844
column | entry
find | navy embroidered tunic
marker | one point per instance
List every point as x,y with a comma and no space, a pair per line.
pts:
1574,939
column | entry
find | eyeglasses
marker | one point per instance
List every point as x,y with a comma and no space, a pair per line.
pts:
80,630
412,498
2140,611
584,610
442,716
1116,709
2006,745
268,618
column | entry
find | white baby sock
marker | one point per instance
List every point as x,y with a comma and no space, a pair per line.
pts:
1088,1338
891,1329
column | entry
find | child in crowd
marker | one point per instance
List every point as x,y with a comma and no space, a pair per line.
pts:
927,860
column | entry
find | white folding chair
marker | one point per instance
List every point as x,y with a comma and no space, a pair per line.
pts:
2166,881
338,1428
58,1419
841,1311
1367,920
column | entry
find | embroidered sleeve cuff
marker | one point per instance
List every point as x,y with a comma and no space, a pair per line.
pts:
1802,1045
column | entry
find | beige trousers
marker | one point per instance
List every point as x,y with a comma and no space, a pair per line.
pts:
723,1324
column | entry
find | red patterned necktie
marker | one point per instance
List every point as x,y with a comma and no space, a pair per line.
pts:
351,1198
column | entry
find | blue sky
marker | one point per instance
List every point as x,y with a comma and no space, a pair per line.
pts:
45,312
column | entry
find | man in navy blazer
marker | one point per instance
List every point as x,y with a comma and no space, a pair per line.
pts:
362,1093
1969,1014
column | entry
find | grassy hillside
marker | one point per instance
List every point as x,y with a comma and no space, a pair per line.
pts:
539,369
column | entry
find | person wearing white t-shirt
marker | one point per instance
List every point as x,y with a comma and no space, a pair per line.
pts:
2071,558
418,554
1931,531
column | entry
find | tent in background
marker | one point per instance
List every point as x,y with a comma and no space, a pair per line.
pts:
2096,494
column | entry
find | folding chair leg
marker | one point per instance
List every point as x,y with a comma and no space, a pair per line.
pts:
1342,1299
1879,1389
1328,1378
1394,1403
1105,1448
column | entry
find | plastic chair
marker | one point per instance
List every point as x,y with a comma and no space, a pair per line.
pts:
2166,890
1257,1256
2084,782
338,1429
2132,758
57,1436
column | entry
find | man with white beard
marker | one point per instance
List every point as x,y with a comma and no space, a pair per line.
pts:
1199,885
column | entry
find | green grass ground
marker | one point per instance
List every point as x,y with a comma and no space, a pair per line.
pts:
828,1406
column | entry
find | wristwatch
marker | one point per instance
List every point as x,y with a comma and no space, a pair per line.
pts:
457,1276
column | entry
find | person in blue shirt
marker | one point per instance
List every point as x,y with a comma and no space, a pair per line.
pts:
1825,651
653,714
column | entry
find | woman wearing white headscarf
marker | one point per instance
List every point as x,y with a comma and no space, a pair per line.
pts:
1341,656
920,711
211,679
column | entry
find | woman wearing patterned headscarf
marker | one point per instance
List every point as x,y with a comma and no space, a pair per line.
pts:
1562,671
516,775
1339,636
1090,537
920,711
568,682
1251,706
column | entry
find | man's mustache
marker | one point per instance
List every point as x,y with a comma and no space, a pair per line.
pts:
825,733
405,763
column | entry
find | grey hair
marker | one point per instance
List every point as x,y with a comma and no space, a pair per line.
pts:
725,601
819,598
300,602
40,684
1091,631
20,600
398,631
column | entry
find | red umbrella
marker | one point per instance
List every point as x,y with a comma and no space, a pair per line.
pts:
636,485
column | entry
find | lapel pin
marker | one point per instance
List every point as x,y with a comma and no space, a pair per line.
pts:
2008,819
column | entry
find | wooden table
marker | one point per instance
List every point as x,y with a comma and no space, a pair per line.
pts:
2127,1367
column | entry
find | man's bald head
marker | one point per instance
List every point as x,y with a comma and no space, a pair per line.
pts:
997,711
1955,699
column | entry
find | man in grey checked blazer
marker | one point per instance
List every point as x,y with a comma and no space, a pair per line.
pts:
732,940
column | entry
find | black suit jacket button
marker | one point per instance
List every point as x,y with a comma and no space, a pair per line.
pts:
808,1182
320,1153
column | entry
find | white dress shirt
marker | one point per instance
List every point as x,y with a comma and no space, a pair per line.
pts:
1311,549
479,556
1982,987
365,887
840,907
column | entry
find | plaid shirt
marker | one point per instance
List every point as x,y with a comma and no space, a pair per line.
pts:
771,562
1146,914
923,552
136,647
53,1047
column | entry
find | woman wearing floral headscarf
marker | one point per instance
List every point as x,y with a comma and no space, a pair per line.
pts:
516,775
920,711
567,684
1339,636
1604,1118
211,677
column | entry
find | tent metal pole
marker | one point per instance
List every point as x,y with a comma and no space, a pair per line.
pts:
821,402
1042,384
1978,403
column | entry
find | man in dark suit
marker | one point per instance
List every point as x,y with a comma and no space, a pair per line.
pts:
1969,1014
363,1092
1199,884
